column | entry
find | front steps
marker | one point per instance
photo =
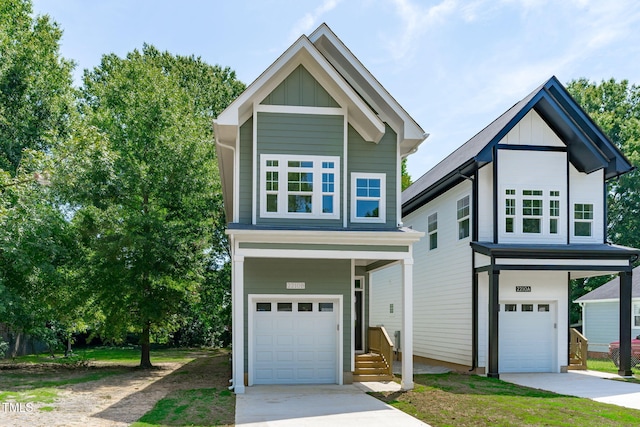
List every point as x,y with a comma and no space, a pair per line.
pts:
371,367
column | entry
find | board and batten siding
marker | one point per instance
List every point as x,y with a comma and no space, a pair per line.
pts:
601,323
300,89
245,204
588,188
485,203
299,134
546,287
367,157
532,130
321,277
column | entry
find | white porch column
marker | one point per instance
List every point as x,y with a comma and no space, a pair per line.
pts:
407,325
237,337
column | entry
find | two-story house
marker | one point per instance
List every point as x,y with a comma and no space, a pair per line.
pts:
510,218
309,157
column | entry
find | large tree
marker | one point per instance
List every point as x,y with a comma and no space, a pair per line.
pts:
615,107
144,184
36,106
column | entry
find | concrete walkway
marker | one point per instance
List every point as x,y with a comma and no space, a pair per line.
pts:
316,406
589,384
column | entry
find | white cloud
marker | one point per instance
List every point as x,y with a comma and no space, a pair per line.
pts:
310,20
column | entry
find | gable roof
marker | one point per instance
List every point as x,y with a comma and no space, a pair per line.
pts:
611,289
588,147
369,106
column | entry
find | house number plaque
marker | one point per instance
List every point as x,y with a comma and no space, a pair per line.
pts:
296,285
523,288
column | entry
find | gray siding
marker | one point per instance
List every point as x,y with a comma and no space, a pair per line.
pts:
601,322
300,89
375,158
329,277
246,171
300,134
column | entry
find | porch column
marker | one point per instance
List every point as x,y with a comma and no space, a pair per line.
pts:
494,308
624,369
237,336
407,325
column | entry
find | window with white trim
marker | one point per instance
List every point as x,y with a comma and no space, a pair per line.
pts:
368,197
463,217
636,315
531,211
432,229
299,186
582,219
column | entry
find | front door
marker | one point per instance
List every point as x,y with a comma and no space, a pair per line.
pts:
358,302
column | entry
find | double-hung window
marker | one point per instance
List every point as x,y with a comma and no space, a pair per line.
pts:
582,219
432,229
368,197
532,211
299,186
463,217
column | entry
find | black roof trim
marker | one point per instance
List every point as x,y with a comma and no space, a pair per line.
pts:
542,251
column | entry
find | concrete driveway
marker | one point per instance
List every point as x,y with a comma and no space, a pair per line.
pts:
589,384
316,405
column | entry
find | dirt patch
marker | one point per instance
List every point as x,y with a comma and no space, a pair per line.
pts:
116,400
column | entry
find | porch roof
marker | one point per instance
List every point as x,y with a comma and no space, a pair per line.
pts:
562,251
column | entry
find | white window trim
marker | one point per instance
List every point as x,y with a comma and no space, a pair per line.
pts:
574,220
435,231
459,220
317,171
635,308
382,217
545,218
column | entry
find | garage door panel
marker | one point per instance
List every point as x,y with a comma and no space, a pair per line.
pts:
527,339
294,346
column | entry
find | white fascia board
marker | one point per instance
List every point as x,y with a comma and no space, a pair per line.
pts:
406,237
595,301
411,133
304,52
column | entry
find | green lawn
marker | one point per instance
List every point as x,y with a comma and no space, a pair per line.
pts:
122,355
470,400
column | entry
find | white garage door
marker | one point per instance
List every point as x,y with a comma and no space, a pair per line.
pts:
527,337
294,341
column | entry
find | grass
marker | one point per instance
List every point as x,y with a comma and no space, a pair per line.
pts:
123,355
607,365
201,407
469,400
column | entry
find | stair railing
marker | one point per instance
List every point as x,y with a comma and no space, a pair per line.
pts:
578,350
380,343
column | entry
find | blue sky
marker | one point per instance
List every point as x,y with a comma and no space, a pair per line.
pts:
453,65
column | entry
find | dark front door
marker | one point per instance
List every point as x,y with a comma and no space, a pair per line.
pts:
359,319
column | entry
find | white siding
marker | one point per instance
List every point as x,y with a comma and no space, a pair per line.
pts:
532,130
385,289
442,283
546,286
485,205
588,189
601,323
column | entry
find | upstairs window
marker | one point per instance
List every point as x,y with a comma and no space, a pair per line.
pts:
583,219
463,217
510,210
299,186
368,197
532,211
432,229
554,211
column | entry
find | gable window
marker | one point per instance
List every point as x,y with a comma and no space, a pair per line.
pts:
531,211
368,197
463,217
510,210
583,219
554,211
432,229
299,186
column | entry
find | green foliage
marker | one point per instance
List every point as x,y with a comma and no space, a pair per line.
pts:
406,178
142,178
615,108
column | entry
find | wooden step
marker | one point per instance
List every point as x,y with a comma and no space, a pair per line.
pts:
372,370
372,378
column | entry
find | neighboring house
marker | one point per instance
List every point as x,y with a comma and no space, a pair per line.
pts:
309,158
510,217
601,314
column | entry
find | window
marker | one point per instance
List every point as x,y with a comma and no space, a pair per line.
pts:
368,197
583,219
263,306
432,229
305,306
299,186
531,211
510,307
463,217
325,306
527,307
543,307
636,315
285,306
